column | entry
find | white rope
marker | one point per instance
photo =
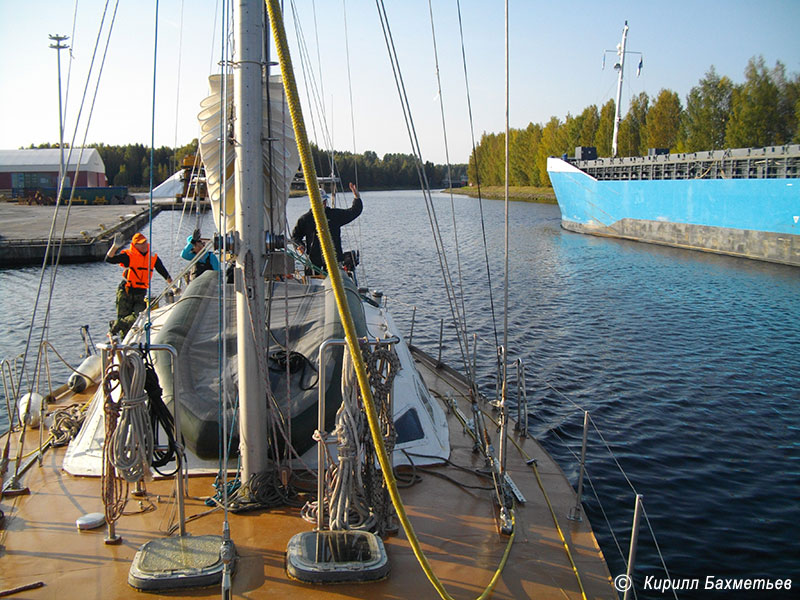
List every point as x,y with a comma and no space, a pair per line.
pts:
132,444
348,430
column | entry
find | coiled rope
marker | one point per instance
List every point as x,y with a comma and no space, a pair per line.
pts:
132,443
114,489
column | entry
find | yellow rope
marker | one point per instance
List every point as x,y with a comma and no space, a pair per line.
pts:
529,460
309,171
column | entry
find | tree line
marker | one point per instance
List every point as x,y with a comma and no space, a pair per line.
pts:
129,165
393,171
764,110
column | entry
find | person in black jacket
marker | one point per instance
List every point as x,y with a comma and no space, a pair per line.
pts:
304,233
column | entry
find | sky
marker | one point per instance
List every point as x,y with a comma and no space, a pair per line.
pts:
556,53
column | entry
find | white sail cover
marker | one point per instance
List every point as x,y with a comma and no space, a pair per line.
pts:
276,125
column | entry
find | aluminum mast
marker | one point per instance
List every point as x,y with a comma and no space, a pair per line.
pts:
250,245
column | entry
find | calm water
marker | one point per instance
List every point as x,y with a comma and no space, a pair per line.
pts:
689,364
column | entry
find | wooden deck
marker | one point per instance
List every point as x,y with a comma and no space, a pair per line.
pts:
39,541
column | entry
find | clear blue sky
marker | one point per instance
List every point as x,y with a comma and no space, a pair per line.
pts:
556,56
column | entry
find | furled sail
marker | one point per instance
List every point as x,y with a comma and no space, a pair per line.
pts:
276,125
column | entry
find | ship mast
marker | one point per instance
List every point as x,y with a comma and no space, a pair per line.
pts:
621,66
250,240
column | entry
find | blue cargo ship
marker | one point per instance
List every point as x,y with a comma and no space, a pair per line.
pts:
743,202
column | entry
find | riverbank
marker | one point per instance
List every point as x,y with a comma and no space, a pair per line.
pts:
542,195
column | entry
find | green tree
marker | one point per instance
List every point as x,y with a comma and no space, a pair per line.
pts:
605,129
796,138
590,121
522,155
633,129
121,178
789,94
553,143
664,121
708,108
573,126
757,115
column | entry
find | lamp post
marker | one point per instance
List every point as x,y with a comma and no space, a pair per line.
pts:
58,47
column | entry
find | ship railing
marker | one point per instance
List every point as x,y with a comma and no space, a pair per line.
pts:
639,511
772,162
13,378
623,582
11,375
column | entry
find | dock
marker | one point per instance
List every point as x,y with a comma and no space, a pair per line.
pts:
24,231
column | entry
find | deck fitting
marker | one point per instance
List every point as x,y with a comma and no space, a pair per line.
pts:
336,557
177,562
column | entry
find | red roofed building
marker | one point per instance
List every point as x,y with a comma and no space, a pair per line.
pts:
39,168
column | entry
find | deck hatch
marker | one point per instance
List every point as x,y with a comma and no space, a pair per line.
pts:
177,562
336,557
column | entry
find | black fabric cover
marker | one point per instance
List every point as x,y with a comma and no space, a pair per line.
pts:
192,326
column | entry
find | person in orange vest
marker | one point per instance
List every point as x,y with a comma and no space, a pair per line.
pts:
138,264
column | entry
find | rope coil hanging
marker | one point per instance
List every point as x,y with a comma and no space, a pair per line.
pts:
358,498
132,443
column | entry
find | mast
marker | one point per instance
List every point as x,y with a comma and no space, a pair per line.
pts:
621,66
250,245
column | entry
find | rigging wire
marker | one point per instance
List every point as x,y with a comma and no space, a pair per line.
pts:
449,178
50,243
438,240
329,136
313,93
287,328
358,236
477,174
178,86
221,278
71,58
507,274
148,321
175,166
350,90
315,99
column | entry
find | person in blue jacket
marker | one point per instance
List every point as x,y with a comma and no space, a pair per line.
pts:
196,245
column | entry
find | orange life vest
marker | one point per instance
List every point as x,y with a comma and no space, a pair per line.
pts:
140,267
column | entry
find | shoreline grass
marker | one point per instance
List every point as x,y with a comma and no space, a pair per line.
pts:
543,195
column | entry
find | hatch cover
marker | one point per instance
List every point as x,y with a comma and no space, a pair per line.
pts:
336,557
177,562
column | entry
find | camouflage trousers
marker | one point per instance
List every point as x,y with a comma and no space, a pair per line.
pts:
129,304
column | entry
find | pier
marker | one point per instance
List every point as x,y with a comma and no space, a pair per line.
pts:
24,231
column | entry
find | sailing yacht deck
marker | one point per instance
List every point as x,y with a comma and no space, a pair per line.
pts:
456,527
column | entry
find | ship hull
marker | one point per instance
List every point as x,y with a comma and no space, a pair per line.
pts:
749,218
